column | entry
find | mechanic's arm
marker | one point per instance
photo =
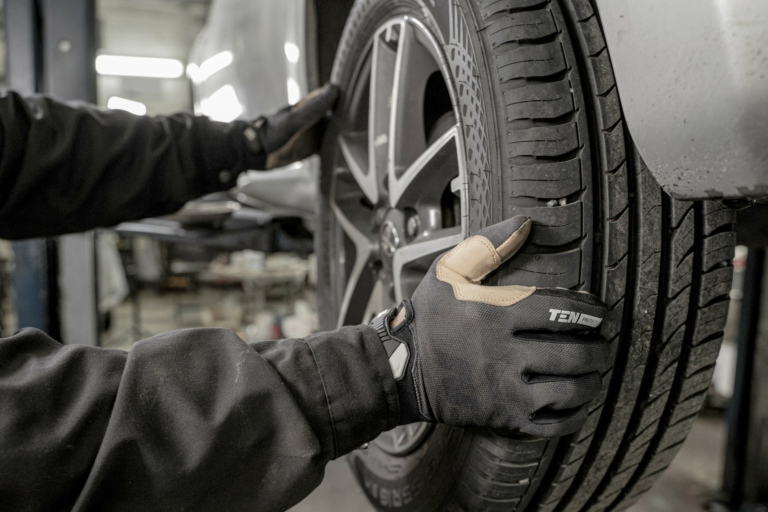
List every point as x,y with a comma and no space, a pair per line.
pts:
188,420
199,420
67,168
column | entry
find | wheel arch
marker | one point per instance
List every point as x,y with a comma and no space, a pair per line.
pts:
331,18
694,92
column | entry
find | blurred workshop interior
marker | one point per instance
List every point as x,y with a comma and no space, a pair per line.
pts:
245,259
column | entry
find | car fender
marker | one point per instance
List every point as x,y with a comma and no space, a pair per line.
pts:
693,80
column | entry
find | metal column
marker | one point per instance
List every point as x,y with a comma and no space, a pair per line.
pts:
51,49
69,49
22,30
35,277
745,484
69,52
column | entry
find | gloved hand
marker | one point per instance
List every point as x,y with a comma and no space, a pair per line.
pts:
295,132
506,357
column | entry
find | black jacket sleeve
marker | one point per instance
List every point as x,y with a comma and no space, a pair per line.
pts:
189,420
67,168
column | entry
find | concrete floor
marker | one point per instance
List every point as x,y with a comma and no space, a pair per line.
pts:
695,476
692,479
339,492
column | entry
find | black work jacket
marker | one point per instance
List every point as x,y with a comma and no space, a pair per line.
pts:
188,420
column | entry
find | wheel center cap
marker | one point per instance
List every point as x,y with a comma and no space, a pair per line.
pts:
389,238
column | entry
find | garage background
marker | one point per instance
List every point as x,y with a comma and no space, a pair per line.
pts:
133,282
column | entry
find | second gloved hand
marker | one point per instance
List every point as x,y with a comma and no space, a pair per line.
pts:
507,357
295,132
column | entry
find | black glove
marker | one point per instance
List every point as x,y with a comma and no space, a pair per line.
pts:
506,357
295,132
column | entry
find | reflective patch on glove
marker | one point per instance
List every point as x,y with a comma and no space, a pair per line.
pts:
572,317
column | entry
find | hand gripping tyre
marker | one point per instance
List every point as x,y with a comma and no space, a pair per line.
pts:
456,114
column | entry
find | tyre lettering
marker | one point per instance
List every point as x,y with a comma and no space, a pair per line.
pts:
395,497
372,487
384,497
407,498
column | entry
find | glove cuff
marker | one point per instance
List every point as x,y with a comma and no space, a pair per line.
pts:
398,352
260,126
255,157
414,406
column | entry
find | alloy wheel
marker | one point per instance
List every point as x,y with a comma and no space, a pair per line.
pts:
399,192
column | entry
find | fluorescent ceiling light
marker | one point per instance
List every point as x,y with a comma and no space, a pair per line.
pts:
134,107
222,105
149,67
294,93
292,52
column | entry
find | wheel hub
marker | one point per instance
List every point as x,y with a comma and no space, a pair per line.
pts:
389,239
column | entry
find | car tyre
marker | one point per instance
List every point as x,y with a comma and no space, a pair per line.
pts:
542,134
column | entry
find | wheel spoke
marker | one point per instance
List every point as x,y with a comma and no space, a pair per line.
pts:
440,158
401,436
354,153
376,302
440,241
415,65
357,278
384,59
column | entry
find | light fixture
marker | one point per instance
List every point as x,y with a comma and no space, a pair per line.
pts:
134,107
149,67
292,52
222,105
294,92
209,67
